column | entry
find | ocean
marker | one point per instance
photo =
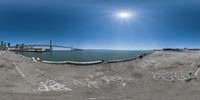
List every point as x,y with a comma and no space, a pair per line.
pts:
85,55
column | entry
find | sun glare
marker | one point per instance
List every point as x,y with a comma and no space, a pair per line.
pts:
124,15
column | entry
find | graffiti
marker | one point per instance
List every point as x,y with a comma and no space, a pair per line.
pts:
102,81
51,85
97,98
95,81
173,75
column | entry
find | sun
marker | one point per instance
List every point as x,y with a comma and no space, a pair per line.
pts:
124,15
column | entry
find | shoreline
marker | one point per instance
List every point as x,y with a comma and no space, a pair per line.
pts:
87,62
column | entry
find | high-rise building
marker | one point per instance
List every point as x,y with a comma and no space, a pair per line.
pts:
17,46
1,46
8,45
22,46
4,46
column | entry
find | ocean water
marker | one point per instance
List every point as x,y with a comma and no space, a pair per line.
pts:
85,55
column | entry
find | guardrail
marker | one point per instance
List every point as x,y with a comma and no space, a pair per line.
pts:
84,63
73,62
129,59
121,60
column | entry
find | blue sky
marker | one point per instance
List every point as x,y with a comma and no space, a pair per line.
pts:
92,24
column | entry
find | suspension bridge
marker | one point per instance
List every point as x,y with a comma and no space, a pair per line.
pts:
50,45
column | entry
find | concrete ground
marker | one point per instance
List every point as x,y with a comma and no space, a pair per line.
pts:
140,79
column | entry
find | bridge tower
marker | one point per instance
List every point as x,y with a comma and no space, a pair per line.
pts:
50,46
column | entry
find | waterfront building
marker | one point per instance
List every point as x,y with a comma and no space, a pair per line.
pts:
8,45
1,46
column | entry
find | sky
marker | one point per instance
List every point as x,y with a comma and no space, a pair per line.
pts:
93,24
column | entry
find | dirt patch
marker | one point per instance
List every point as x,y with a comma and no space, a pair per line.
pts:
9,85
1,66
166,68
151,66
137,75
4,58
130,67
